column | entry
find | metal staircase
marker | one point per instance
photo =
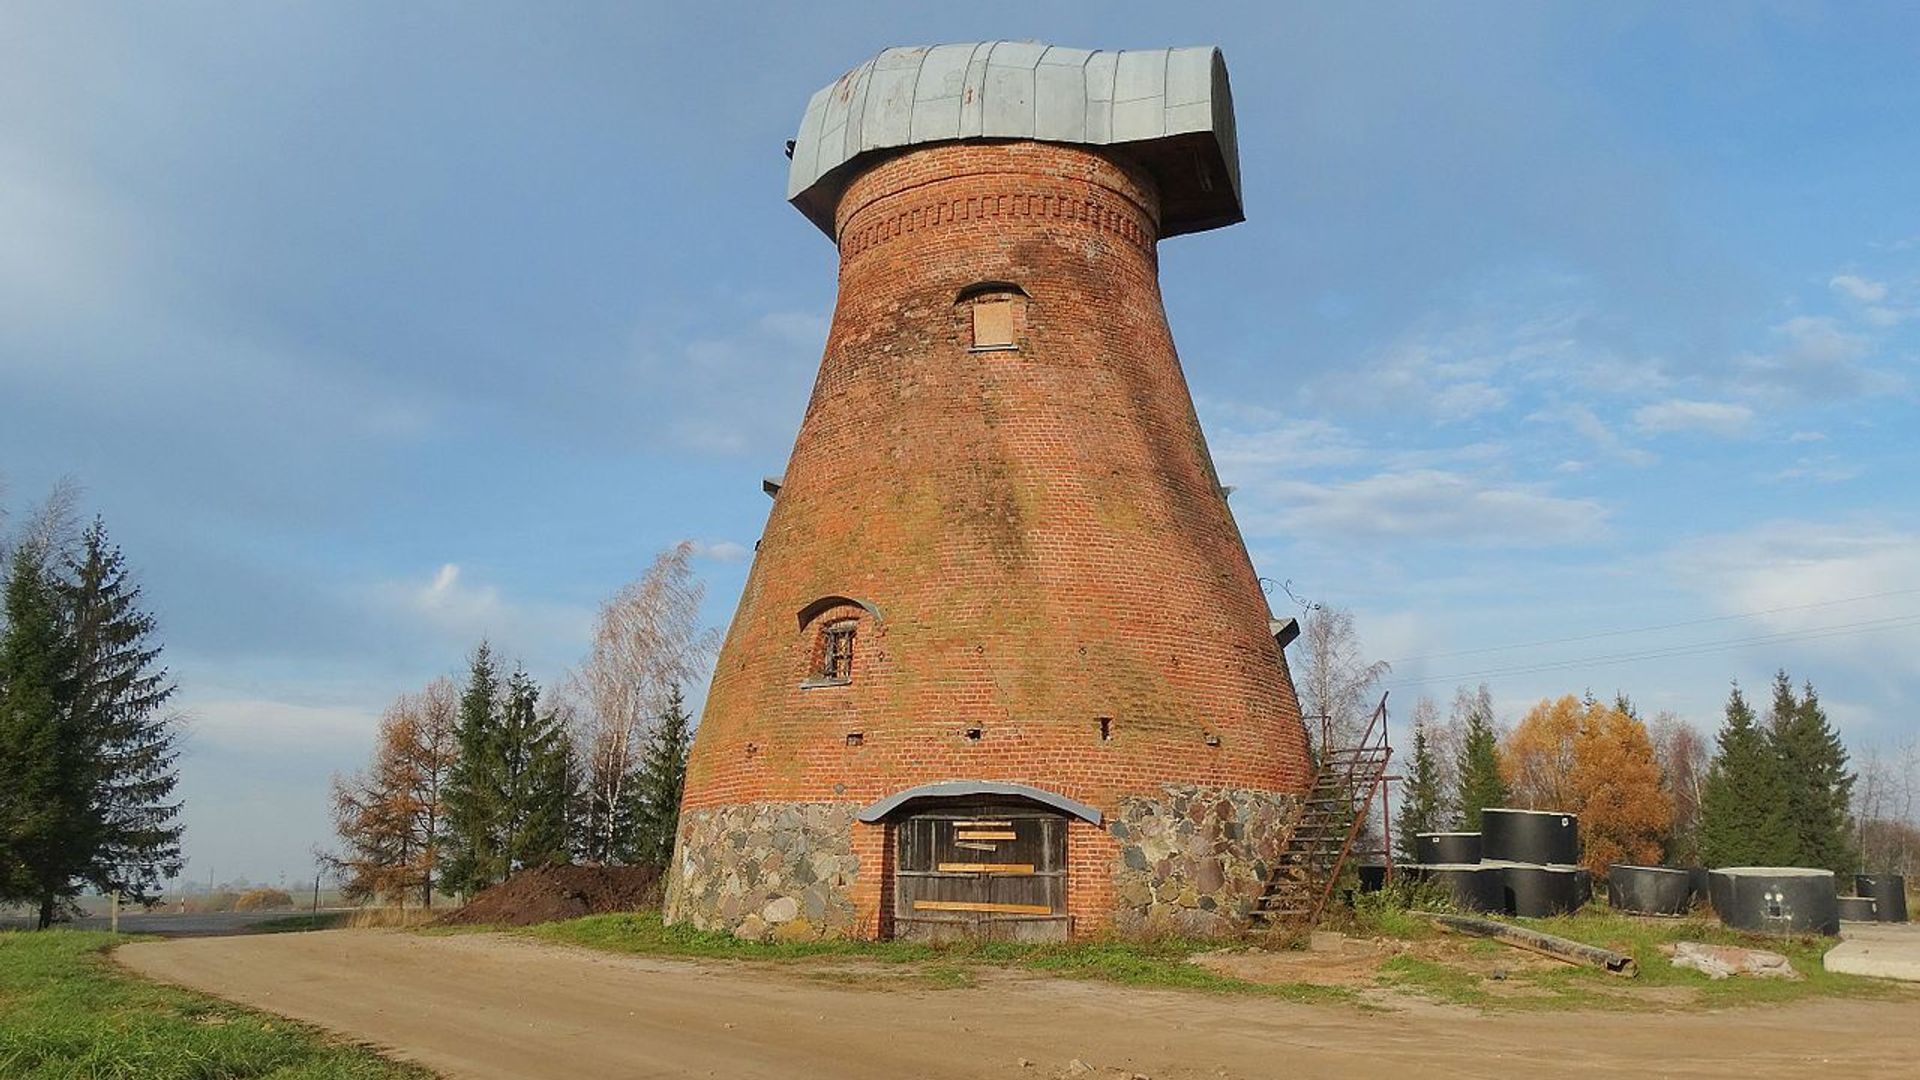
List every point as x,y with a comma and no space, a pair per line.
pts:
1331,824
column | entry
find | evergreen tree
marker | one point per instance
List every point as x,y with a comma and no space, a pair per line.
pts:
1817,788
663,777
128,823
1741,812
87,754
1421,798
537,778
509,796
38,791
1481,785
476,787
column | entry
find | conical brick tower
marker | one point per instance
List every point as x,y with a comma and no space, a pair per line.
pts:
1002,665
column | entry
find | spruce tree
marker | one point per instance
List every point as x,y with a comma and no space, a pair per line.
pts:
1817,788
663,778
1742,821
36,757
128,825
534,766
1421,798
85,750
472,859
1479,766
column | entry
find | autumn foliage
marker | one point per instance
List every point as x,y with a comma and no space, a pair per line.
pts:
1597,761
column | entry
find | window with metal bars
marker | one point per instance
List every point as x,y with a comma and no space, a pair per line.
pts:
836,653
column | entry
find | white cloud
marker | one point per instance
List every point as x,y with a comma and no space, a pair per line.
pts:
1815,359
1861,289
461,613
1289,445
1712,417
721,551
1807,436
1430,505
251,723
1586,423
1795,565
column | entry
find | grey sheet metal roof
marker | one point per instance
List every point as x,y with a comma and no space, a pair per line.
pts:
954,789
1169,110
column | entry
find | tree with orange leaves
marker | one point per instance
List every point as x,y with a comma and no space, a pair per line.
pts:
391,818
1596,761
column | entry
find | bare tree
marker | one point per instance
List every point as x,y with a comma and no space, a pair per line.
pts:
1335,680
647,641
1682,753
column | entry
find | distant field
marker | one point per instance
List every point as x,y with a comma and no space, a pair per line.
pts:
66,1012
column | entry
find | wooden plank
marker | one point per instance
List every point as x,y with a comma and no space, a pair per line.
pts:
983,824
1008,835
968,905
984,868
973,846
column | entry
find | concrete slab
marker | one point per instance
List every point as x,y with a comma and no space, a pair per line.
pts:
1882,950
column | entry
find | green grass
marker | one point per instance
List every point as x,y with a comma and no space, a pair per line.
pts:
1530,986
66,1013
1164,963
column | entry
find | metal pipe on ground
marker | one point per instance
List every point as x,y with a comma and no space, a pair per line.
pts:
1558,948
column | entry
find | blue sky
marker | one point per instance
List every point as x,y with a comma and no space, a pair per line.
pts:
372,329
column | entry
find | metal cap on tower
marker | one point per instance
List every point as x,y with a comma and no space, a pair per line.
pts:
1169,111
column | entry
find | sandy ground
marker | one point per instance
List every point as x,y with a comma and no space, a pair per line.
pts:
486,1006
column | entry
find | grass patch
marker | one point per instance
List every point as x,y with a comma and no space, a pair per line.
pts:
66,1012
1164,963
1659,984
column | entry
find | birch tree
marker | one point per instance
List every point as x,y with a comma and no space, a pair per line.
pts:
647,642
1334,678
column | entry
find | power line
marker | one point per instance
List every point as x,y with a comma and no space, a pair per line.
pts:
1866,626
1649,629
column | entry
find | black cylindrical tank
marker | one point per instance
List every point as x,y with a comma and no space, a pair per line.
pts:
1889,893
1649,890
1450,848
1537,891
1529,836
1473,887
1782,899
1857,909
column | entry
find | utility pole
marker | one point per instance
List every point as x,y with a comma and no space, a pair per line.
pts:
316,897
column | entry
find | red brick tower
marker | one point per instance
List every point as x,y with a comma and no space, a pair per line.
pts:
1002,664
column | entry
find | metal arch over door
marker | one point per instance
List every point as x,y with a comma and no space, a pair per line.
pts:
991,870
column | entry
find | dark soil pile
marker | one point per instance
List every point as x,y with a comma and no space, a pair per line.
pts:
553,893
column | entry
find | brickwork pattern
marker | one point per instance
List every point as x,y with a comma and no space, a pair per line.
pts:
1035,538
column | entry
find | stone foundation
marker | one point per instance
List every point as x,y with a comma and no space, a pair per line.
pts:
774,870
1193,860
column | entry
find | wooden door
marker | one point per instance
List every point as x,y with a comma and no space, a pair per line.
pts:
995,872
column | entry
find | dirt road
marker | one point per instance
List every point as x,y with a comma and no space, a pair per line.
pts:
485,1006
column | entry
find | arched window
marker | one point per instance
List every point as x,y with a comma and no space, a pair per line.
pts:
830,629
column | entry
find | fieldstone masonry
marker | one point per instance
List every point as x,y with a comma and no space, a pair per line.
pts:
777,870
1194,860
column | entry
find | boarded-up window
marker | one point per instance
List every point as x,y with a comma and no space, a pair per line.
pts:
987,871
993,324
